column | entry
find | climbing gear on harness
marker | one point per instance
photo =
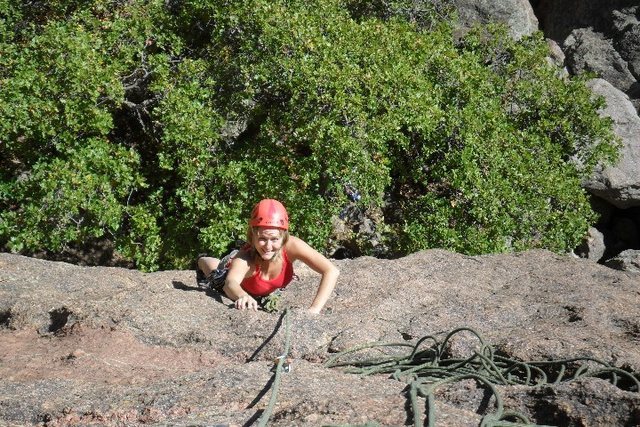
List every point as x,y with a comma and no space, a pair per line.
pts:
269,213
215,279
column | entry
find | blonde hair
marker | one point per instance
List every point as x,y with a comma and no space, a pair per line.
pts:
251,231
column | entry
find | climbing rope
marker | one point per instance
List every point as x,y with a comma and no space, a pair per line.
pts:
264,418
427,368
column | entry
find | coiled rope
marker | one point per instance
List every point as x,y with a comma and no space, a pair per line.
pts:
264,418
426,369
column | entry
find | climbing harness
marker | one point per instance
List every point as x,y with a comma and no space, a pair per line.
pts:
215,279
426,369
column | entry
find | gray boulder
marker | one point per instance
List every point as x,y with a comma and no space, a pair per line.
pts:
593,245
627,40
516,14
628,260
619,184
588,51
597,36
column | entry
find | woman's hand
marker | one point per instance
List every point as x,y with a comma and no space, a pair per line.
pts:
232,285
246,302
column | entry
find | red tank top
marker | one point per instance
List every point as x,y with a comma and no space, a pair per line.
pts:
259,287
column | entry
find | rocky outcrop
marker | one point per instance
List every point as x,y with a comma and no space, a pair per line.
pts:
110,346
589,51
518,15
619,184
628,260
602,38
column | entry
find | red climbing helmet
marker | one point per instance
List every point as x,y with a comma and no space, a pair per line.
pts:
269,213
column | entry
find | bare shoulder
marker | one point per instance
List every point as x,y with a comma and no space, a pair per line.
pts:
294,241
296,247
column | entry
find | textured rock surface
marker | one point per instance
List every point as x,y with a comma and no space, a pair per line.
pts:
619,184
82,345
628,260
588,51
516,14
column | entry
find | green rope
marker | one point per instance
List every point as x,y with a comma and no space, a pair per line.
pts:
367,424
262,422
271,302
426,369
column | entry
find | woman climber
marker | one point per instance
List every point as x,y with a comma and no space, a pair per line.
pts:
265,263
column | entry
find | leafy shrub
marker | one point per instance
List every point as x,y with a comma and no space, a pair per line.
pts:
159,125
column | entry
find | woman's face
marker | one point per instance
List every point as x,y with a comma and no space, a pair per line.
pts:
267,242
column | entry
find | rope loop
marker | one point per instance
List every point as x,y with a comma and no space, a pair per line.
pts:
425,369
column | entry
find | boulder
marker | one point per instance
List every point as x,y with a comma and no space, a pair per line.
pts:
627,40
592,246
516,14
588,51
597,36
619,184
628,260
111,346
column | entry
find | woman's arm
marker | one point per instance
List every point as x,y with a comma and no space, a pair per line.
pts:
298,249
237,271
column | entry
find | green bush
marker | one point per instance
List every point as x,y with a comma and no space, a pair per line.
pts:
500,172
159,124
